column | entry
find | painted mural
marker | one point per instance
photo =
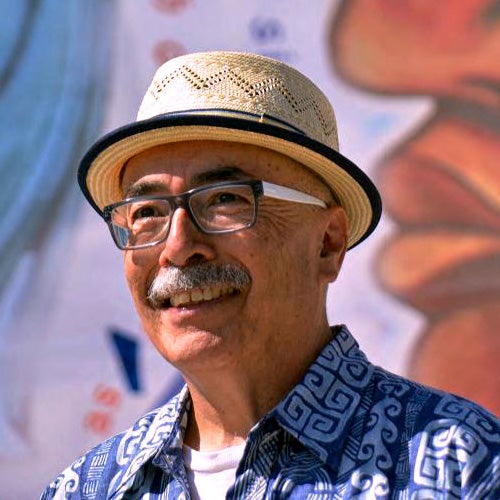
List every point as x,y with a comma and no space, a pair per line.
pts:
416,89
441,184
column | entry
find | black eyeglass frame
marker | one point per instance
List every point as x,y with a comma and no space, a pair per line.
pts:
259,188
183,201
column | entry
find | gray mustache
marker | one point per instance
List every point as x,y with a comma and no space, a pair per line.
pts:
175,279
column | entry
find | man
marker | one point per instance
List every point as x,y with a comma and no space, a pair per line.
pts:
234,210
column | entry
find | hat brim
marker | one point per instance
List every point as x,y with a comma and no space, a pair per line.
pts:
99,170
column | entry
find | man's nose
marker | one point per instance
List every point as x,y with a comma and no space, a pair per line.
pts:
185,242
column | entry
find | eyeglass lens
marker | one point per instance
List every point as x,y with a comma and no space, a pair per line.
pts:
217,209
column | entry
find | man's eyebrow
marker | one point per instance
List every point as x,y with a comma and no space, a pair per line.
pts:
143,188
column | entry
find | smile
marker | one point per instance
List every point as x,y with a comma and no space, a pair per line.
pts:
198,295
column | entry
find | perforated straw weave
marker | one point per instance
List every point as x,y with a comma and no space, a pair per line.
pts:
235,97
245,84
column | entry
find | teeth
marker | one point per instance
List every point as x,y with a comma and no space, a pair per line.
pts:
179,299
199,295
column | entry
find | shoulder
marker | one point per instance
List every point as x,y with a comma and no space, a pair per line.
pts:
91,475
452,442
423,406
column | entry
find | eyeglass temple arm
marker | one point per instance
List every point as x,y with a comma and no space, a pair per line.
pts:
289,194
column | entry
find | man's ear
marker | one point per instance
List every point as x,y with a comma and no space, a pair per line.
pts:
334,243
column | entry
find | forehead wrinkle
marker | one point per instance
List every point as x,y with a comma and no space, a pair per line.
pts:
220,174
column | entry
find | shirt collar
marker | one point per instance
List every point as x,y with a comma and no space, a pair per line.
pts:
159,439
318,410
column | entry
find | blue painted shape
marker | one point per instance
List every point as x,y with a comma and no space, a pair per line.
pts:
127,349
266,30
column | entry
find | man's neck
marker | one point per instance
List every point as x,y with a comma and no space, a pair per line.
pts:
227,404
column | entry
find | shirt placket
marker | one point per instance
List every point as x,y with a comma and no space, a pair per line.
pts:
172,464
261,453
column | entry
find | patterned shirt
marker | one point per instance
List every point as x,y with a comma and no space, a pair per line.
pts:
348,430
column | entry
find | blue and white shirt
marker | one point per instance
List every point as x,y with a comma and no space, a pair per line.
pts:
348,430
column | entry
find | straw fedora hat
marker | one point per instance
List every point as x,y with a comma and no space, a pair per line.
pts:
236,97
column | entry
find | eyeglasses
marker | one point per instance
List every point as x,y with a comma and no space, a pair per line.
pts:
226,207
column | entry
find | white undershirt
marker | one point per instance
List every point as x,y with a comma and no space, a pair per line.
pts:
211,473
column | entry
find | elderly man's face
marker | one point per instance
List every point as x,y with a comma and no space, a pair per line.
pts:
282,264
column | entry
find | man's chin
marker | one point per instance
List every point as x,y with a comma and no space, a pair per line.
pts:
194,346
